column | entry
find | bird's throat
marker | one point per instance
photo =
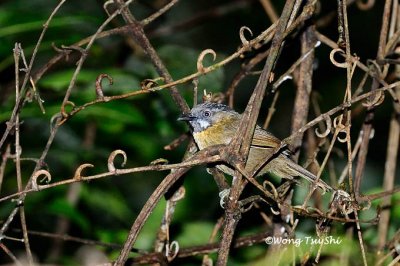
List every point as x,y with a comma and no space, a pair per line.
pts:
219,133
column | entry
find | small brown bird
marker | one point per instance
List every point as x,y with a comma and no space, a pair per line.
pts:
214,124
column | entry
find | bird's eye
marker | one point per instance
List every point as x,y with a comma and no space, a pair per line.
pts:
207,113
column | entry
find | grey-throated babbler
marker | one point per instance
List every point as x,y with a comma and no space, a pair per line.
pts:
214,123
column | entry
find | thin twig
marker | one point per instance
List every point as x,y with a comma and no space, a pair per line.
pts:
137,33
240,145
18,150
389,179
11,121
159,12
167,182
50,140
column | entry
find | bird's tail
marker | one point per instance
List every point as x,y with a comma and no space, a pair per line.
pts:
308,175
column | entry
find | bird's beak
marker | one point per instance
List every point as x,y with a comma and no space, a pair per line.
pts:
186,117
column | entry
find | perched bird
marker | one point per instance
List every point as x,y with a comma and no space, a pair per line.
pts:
214,123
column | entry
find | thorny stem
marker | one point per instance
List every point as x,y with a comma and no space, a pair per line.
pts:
18,105
310,124
367,126
18,150
233,217
50,140
167,182
254,43
348,96
389,179
240,145
301,104
136,29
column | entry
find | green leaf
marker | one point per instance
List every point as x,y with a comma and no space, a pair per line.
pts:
108,202
195,233
181,61
37,25
60,80
148,233
122,82
63,208
146,145
113,116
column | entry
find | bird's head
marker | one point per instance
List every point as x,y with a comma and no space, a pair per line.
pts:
208,114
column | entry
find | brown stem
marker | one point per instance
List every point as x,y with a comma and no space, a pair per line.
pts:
367,126
304,87
18,151
240,145
137,32
389,178
243,241
167,183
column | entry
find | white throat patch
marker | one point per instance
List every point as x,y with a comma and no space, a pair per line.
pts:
203,123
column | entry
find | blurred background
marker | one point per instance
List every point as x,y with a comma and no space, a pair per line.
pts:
104,209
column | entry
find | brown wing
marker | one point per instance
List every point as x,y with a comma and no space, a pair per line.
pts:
264,139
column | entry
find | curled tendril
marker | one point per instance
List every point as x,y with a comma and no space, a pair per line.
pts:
53,121
243,39
280,81
158,161
99,88
365,6
171,250
78,172
397,247
343,200
332,58
47,177
243,209
75,48
106,4
375,68
378,100
63,112
367,205
300,208
274,211
311,209
344,138
111,158
222,196
274,191
338,125
195,83
178,195
148,84
337,121
207,96
200,67
372,134
328,120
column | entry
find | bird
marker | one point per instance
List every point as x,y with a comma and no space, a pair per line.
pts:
215,124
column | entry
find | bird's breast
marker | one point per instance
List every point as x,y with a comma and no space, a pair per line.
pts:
214,135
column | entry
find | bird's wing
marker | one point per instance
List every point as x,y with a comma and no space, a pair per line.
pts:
264,139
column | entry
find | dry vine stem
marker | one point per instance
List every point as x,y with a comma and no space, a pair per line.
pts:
343,208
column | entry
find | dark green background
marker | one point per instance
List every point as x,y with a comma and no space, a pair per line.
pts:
143,125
